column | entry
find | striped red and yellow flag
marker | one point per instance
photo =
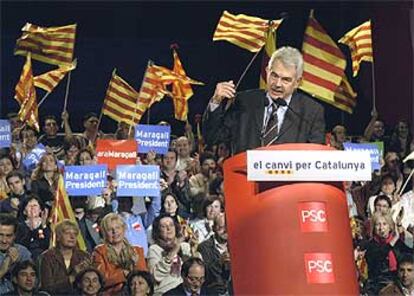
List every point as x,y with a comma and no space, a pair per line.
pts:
345,96
324,63
52,45
270,48
121,101
61,210
26,96
359,41
245,31
49,80
181,89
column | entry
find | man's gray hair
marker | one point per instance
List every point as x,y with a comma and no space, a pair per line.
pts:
290,57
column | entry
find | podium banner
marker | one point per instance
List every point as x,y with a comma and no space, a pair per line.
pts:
302,165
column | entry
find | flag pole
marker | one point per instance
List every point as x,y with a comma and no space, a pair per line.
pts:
43,99
374,102
65,104
247,68
406,181
149,63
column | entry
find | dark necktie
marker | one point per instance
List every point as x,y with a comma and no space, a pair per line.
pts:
271,130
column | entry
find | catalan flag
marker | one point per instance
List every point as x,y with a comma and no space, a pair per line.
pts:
121,101
270,48
181,89
52,45
61,210
359,41
324,63
26,96
345,96
49,80
245,31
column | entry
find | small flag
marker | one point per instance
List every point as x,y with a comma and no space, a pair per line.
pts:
270,48
359,41
245,31
121,101
61,210
52,45
49,80
26,96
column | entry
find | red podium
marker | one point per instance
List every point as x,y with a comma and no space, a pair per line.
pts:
288,238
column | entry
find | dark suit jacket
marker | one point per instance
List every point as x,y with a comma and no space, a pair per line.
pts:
179,291
243,121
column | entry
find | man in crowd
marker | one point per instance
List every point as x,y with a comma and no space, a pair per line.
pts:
50,138
16,182
215,253
10,253
261,118
404,284
200,182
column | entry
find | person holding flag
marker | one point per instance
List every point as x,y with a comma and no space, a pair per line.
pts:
276,115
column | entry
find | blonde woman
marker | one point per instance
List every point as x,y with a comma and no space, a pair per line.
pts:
116,258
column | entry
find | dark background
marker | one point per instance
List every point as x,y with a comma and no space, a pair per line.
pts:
124,35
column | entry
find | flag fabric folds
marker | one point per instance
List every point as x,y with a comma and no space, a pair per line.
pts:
270,48
181,89
324,68
245,31
51,45
121,101
26,96
49,80
61,210
359,41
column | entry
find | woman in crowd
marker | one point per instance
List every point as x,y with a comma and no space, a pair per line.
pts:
388,188
140,283
383,251
166,256
59,265
85,157
203,228
89,282
45,178
6,166
71,146
401,139
116,258
33,232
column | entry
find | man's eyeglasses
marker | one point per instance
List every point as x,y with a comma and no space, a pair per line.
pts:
195,279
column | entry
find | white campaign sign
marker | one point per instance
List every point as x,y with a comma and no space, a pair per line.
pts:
308,165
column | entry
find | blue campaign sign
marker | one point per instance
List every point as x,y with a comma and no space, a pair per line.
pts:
138,180
85,179
152,137
5,133
31,159
373,150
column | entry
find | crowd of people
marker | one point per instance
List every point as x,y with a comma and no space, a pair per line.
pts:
176,243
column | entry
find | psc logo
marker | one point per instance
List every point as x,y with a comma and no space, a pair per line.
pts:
312,216
319,268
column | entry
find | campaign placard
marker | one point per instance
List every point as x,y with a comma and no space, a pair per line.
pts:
374,152
5,133
138,180
302,165
114,152
152,137
33,157
85,179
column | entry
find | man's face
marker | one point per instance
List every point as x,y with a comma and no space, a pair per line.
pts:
7,237
406,274
220,229
281,80
91,124
26,279
382,207
16,185
388,186
195,278
183,147
207,166
50,128
378,129
90,284
169,160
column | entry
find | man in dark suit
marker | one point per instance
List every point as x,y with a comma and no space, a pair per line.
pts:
257,118
193,272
